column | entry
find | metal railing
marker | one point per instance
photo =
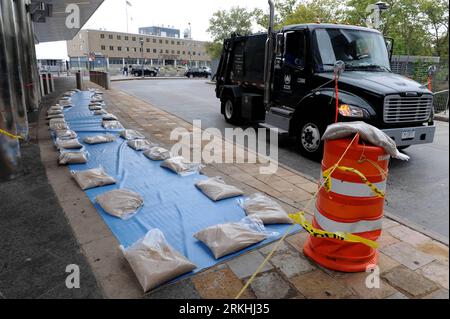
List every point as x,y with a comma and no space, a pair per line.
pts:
100,78
440,103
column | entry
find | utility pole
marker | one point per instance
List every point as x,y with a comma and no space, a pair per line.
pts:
190,45
142,56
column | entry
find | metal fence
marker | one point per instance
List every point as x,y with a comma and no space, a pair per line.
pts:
441,102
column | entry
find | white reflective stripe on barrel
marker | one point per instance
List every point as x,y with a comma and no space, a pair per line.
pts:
356,227
354,189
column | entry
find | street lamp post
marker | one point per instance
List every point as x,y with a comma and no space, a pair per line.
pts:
190,45
142,56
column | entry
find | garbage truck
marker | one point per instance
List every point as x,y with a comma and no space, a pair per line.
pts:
304,77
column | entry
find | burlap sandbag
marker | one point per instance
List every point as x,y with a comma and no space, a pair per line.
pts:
180,166
65,134
154,261
121,203
68,144
268,210
158,153
56,120
59,126
91,178
99,139
131,135
95,107
112,125
109,117
140,145
216,188
72,158
228,238
54,112
56,107
57,116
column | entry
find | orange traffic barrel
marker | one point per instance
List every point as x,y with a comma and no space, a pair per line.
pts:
352,202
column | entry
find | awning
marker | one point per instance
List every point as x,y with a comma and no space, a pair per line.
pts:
53,27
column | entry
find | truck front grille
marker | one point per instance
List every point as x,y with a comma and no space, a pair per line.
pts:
401,109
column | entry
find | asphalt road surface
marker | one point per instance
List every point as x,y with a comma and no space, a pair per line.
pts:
418,190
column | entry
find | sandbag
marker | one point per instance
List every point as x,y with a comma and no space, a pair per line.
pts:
65,134
140,145
154,261
95,107
99,139
131,135
216,188
57,116
56,107
65,103
265,208
100,112
56,120
66,157
367,132
158,153
180,166
228,238
68,144
59,126
121,203
54,112
109,117
112,125
91,178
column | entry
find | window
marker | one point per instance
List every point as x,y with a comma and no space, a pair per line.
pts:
173,51
135,49
126,38
184,52
128,49
193,53
140,49
167,51
133,38
119,37
154,50
102,36
103,47
119,48
141,39
160,50
178,52
148,50
167,41
295,49
110,36
111,48
172,42
154,40
178,42
148,40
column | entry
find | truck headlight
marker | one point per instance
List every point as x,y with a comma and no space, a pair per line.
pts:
348,110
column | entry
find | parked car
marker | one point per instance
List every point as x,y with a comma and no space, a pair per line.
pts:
137,71
197,72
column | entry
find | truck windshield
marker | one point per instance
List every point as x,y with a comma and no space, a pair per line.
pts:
360,50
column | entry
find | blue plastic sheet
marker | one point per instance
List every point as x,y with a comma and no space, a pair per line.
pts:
172,203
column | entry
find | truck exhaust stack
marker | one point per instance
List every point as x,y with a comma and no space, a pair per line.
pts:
269,56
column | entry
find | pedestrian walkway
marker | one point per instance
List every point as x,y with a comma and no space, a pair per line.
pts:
411,264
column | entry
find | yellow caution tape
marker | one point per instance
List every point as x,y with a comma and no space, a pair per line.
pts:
300,219
327,184
10,135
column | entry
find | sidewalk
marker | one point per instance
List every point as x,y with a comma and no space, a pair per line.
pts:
411,264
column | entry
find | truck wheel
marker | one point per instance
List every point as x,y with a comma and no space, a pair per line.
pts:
231,111
309,139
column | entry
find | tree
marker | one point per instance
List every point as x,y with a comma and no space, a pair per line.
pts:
283,8
325,11
436,16
223,23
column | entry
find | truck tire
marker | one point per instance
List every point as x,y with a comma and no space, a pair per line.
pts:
231,110
309,138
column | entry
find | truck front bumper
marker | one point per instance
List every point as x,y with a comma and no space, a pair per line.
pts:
412,135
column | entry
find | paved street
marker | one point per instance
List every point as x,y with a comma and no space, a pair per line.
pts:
418,190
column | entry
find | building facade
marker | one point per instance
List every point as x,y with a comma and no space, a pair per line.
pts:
99,49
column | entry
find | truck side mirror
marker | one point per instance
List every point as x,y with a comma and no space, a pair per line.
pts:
389,46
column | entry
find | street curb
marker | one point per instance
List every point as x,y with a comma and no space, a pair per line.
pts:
441,118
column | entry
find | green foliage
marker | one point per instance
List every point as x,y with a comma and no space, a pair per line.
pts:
418,27
214,49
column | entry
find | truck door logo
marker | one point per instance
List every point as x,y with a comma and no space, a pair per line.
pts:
287,79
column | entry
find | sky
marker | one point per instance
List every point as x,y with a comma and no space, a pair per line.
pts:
111,15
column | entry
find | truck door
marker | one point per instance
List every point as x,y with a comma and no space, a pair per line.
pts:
290,76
